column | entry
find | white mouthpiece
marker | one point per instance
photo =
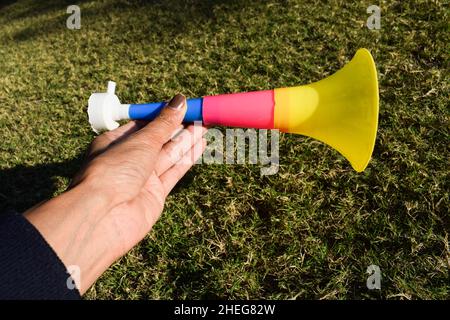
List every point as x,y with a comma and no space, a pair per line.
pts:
104,109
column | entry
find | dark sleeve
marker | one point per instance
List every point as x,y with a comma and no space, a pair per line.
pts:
29,268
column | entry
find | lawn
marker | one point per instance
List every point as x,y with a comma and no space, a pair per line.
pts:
308,232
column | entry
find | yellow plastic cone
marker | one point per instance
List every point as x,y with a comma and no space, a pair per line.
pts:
341,110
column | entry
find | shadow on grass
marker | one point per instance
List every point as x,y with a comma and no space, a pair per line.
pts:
6,3
171,17
34,8
24,186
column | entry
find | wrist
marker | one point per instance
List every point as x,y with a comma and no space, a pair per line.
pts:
72,225
93,197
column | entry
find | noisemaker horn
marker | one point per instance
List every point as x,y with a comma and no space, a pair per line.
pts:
340,110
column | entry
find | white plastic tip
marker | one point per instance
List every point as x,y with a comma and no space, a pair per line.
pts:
111,87
104,109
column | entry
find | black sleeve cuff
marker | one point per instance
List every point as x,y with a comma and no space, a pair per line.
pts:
29,268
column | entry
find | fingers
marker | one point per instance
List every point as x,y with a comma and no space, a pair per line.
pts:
103,141
160,130
170,178
135,157
175,149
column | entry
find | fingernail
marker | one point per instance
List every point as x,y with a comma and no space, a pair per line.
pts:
177,102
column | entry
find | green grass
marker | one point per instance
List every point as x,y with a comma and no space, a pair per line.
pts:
310,231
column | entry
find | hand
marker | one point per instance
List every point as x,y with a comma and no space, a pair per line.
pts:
114,201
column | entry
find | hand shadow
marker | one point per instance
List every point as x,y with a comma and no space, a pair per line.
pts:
23,186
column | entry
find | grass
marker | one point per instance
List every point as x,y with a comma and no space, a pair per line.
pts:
310,231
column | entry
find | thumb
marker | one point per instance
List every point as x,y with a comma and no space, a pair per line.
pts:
162,128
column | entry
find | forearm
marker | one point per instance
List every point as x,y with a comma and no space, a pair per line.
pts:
72,225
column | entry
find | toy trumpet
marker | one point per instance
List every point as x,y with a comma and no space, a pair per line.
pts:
340,110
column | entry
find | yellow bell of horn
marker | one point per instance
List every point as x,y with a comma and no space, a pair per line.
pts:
341,110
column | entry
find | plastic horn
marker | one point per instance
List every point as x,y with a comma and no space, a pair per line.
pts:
340,110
